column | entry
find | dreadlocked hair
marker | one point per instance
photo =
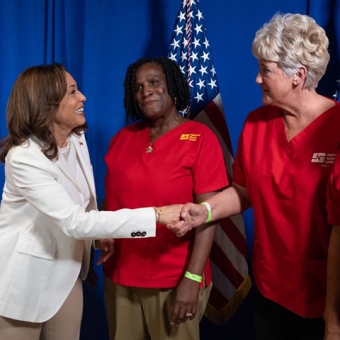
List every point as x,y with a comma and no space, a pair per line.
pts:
177,85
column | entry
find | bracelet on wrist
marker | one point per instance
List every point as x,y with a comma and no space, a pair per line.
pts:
158,212
209,211
193,277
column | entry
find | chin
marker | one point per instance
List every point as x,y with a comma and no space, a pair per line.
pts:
266,101
81,119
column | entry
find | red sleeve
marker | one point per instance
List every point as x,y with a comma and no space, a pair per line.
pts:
333,193
238,173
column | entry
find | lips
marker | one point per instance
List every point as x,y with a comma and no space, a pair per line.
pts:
148,103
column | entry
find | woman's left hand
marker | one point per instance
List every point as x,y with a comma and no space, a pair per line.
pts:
106,247
184,304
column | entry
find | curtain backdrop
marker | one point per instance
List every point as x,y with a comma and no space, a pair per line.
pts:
97,40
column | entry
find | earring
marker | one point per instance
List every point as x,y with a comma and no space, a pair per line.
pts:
175,100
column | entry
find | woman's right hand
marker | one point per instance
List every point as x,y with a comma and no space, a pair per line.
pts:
169,214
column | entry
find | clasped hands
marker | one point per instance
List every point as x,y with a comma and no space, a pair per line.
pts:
182,218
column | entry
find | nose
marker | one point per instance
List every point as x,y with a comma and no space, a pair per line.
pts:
258,79
146,91
81,97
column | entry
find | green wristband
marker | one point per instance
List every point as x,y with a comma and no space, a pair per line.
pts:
209,211
193,277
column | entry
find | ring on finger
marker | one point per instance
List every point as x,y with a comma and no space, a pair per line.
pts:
188,315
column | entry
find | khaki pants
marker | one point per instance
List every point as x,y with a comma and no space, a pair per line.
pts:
144,313
65,325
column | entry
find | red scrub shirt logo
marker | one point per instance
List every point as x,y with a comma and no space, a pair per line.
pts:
318,157
189,136
323,158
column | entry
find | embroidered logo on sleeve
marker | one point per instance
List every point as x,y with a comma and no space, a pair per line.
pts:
190,136
323,158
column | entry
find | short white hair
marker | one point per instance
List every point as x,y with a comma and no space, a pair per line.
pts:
294,40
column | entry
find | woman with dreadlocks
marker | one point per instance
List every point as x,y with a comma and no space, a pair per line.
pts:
159,290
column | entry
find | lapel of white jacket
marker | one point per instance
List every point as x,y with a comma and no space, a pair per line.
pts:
80,146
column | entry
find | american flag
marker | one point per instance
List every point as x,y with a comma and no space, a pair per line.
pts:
190,49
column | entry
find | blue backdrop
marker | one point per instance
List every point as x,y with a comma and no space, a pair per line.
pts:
97,40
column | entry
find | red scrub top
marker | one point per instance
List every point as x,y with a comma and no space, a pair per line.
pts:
286,182
185,161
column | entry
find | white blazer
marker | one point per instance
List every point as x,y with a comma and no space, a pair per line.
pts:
45,235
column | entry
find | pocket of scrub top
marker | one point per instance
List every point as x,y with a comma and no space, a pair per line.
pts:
37,249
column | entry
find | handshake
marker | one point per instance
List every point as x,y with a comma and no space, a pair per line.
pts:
181,218
178,218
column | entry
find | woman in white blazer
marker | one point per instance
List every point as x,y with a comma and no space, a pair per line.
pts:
48,213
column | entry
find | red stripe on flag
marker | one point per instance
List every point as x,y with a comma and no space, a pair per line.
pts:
216,299
234,235
228,269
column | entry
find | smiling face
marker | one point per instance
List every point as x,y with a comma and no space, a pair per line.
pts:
70,113
276,86
151,91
